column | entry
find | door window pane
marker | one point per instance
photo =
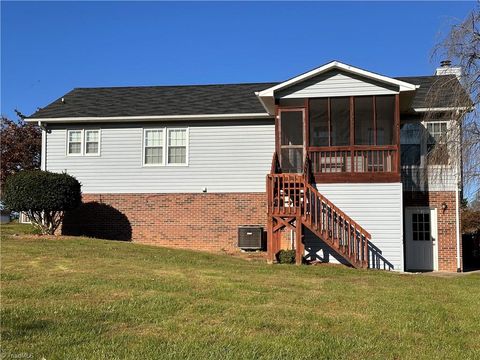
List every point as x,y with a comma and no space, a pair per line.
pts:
340,121
318,116
364,120
385,113
421,227
291,123
292,160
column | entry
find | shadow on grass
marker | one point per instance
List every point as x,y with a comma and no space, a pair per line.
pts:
97,220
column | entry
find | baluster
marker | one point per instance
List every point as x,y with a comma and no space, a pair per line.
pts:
366,250
281,194
383,161
351,241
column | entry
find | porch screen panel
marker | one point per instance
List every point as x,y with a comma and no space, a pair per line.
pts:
340,121
364,130
318,116
385,113
291,143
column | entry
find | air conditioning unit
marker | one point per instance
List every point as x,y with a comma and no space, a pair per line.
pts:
250,237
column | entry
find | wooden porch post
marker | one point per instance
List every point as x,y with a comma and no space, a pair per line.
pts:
270,256
276,243
397,132
299,248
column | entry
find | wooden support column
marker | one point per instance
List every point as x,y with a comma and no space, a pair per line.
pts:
352,133
271,255
299,248
277,235
397,132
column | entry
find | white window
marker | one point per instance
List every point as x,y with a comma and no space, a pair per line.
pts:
177,147
74,142
92,142
165,146
153,146
437,150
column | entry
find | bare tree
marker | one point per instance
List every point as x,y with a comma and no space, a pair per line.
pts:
458,90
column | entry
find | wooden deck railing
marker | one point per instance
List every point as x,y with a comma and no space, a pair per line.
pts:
354,159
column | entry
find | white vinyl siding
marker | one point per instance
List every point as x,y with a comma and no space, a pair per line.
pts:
223,156
337,83
378,209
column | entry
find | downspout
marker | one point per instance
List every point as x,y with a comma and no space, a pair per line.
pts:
457,221
43,154
457,196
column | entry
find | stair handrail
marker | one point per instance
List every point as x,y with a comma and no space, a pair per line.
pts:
307,170
339,211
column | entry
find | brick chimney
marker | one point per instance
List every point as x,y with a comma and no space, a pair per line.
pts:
446,68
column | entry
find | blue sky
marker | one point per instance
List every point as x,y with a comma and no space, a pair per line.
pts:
48,48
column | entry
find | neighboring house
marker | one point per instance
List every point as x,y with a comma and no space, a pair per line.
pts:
185,166
23,218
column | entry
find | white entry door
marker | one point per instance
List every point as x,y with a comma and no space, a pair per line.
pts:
421,239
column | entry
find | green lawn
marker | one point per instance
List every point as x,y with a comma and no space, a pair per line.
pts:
78,298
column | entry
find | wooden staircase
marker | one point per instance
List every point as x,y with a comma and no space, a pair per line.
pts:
293,202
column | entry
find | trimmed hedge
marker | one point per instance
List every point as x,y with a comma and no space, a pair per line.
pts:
41,191
286,256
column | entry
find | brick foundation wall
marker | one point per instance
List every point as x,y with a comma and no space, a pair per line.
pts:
190,221
447,232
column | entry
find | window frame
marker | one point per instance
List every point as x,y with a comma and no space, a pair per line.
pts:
144,138
167,146
67,142
424,146
85,142
165,130
444,142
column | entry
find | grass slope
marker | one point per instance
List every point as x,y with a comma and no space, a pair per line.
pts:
78,298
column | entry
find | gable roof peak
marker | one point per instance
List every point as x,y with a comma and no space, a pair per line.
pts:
267,96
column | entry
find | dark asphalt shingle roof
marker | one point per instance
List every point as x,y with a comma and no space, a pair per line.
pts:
436,91
193,99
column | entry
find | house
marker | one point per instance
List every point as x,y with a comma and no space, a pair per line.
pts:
333,162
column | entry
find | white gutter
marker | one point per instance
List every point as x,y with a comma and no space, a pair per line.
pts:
43,153
240,116
257,94
452,108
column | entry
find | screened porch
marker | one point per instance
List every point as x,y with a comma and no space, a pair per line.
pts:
346,139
